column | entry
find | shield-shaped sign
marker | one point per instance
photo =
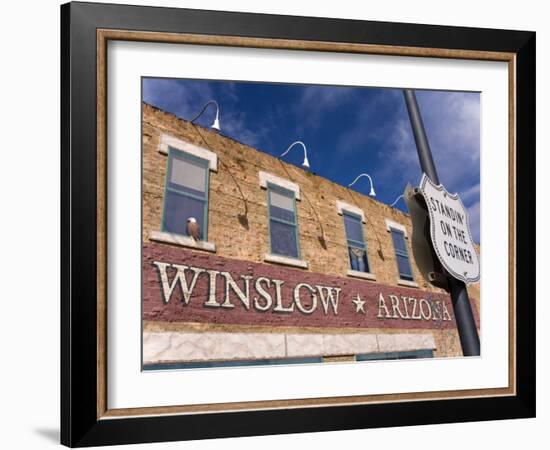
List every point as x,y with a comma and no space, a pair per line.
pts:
450,232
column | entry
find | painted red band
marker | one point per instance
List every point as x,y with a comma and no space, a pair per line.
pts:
400,308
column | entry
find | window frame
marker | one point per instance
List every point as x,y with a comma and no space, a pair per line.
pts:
401,253
394,355
286,192
205,163
354,243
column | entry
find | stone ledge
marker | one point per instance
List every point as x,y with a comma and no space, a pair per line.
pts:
160,347
405,342
285,261
301,345
364,275
407,283
184,241
192,346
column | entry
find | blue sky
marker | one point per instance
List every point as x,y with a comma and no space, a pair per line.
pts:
347,130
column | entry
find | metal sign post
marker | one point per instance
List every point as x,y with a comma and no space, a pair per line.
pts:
465,322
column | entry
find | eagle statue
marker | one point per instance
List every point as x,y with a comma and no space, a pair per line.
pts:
193,228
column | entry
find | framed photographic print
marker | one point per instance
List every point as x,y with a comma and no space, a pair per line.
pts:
288,224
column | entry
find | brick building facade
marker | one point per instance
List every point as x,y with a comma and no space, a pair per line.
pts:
289,266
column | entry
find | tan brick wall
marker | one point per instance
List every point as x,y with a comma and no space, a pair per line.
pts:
238,217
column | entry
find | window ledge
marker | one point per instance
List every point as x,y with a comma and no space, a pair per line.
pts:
184,241
364,275
407,283
285,260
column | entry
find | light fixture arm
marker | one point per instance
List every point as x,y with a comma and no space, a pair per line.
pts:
216,123
396,200
372,193
306,162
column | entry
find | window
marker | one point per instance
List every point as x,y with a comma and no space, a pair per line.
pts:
357,250
283,224
186,192
414,354
401,254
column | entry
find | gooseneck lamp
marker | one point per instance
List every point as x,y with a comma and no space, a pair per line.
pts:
306,162
371,193
216,124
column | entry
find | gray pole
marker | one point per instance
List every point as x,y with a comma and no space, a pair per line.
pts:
469,339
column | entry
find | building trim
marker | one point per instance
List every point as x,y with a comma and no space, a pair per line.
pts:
343,206
170,141
407,283
364,275
266,177
405,342
396,226
227,346
183,241
285,260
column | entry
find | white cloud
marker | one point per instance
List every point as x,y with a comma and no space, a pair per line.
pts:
316,100
185,100
471,194
175,97
234,124
474,216
399,157
452,121
354,138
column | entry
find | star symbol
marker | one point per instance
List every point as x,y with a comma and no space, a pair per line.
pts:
359,304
